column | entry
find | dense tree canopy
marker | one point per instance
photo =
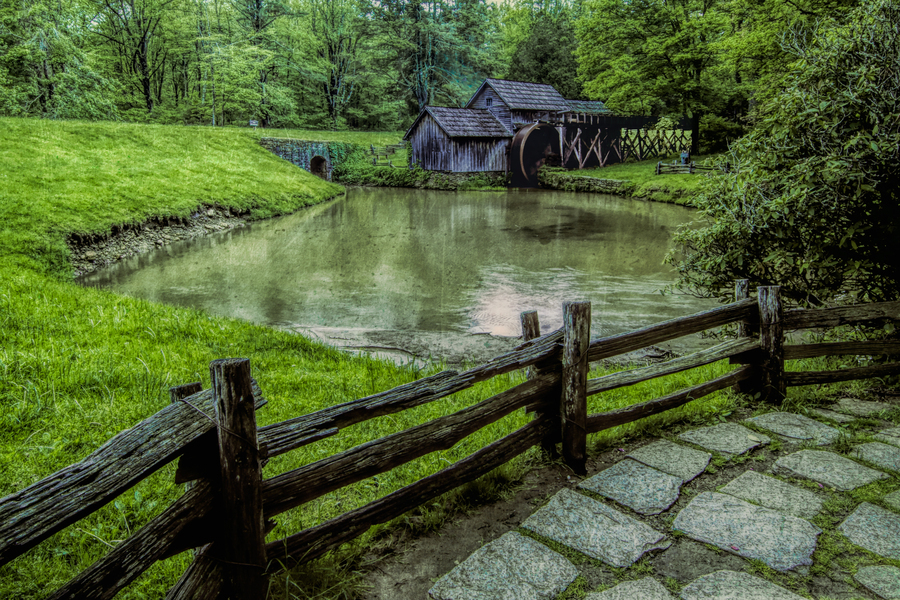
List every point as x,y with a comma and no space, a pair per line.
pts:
374,64
814,204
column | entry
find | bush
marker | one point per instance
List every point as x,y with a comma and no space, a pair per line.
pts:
814,204
718,133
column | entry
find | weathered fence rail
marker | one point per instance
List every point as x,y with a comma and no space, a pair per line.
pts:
687,169
226,510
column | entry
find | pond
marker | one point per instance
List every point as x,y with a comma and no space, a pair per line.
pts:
403,272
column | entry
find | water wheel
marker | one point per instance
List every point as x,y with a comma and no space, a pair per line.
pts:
532,147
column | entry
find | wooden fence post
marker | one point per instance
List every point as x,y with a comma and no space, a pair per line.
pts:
531,328
742,292
576,342
771,342
240,547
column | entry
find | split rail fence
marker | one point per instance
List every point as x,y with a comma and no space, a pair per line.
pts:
227,508
688,169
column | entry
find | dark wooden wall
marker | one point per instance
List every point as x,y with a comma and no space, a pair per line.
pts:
498,106
433,150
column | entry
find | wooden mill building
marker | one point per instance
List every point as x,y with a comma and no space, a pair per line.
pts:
478,136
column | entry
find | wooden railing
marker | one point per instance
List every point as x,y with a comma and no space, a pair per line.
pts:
228,507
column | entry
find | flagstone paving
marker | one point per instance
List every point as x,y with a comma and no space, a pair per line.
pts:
874,528
781,541
643,589
731,585
827,468
672,458
881,455
753,516
796,428
637,486
889,436
830,414
893,500
513,567
775,494
883,580
862,408
594,529
727,438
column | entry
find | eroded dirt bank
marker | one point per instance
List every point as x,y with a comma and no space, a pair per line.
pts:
92,252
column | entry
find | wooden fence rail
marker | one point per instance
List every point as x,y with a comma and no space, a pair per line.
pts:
687,169
227,508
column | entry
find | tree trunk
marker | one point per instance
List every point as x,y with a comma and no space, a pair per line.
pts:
695,133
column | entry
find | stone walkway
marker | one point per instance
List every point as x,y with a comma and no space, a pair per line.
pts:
744,537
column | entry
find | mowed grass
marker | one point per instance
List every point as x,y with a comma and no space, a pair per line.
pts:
365,138
60,177
79,365
677,189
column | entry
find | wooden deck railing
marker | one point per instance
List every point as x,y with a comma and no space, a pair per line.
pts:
227,508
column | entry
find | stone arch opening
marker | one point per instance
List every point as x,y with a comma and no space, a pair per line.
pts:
318,166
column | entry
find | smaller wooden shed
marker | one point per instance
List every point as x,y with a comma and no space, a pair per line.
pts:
458,140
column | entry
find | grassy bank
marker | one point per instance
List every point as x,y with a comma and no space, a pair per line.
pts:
639,180
64,177
79,365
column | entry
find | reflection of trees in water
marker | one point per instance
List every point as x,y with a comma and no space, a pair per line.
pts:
421,260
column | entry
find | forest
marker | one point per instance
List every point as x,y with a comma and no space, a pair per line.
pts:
373,64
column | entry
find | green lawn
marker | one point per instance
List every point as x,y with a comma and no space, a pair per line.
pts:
366,138
678,189
78,365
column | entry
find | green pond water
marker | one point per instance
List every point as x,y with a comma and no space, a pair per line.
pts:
426,273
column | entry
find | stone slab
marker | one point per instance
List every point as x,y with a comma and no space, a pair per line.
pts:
893,500
889,436
826,468
883,455
673,459
688,559
595,529
860,408
874,528
830,414
512,567
637,486
771,493
796,428
727,438
781,541
732,585
643,589
883,580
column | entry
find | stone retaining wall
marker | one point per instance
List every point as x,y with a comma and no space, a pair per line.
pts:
559,179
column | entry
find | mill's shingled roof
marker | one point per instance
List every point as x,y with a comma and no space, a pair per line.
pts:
466,122
589,107
520,95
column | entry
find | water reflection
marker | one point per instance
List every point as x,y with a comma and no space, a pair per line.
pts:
426,261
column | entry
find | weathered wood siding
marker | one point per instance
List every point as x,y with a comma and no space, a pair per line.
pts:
434,150
429,145
498,107
530,116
